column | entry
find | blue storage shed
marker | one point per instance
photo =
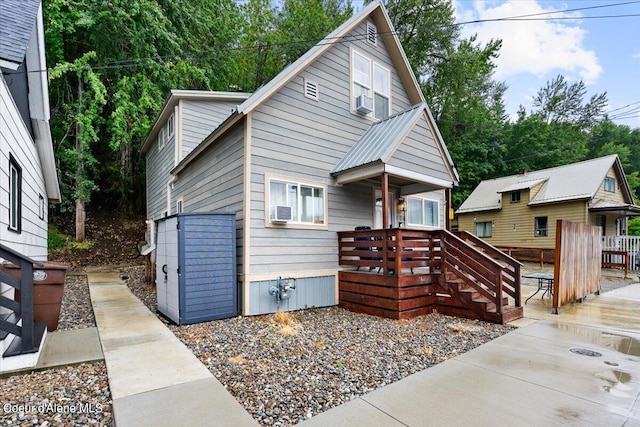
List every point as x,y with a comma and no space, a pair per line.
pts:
196,267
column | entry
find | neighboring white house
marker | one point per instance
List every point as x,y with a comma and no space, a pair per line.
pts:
28,178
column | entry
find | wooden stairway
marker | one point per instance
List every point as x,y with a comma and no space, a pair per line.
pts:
473,305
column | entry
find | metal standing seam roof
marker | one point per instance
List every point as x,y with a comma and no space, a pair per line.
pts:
17,20
379,142
563,183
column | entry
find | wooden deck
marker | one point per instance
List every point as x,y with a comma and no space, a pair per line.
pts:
400,273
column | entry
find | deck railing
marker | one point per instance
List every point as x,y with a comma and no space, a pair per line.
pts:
511,268
24,309
400,252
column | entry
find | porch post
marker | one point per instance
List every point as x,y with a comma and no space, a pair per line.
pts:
385,200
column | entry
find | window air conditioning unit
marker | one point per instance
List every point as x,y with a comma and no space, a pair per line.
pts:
281,214
364,104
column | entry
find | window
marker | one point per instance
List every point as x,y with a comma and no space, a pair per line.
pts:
484,229
541,226
15,195
179,206
515,196
422,212
372,33
380,92
161,139
361,76
311,89
601,221
373,81
169,127
610,184
43,207
307,202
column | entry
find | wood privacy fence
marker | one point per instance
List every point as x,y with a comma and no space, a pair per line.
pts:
577,263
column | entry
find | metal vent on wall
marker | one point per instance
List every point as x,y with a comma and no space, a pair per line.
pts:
311,89
372,33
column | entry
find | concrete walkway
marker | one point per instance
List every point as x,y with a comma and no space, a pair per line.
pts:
155,380
581,367
542,374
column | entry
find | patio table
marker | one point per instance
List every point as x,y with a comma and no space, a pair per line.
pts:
545,282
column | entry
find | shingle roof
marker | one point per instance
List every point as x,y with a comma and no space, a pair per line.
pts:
380,140
570,182
17,20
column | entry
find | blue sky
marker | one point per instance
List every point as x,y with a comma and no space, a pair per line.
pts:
604,53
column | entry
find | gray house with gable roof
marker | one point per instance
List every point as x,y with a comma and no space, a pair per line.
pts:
341,138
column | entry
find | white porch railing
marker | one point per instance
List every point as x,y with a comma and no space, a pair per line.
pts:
628,244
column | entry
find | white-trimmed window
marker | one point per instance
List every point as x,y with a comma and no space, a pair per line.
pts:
372,80
515,196
15,195
179,203
361,75
162,139
484,229
381,91
307,201
610,184
170,127
422,212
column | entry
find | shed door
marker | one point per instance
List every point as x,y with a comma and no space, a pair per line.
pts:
167,282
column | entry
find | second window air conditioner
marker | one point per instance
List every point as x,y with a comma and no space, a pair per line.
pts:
281,214
364,104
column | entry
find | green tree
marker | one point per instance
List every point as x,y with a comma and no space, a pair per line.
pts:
143,48
561,102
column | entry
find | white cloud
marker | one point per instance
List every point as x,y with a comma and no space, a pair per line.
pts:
532,47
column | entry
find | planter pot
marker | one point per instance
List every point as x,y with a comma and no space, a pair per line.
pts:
48,288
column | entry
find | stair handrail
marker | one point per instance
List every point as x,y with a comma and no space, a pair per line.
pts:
25,308
496,253
474,266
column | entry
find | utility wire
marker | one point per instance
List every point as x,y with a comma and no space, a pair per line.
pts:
152,61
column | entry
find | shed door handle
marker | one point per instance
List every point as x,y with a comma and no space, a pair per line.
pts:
164,269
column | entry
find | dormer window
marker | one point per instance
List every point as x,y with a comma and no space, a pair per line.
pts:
610,184
515,196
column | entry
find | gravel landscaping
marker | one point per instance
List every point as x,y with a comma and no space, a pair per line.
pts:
282,368
287,367
69,396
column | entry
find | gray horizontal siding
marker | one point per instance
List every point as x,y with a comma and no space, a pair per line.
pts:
418,145
214,181
309,292
199,119
158,165
300,138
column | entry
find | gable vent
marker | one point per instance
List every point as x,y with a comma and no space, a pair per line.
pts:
311,89
372,33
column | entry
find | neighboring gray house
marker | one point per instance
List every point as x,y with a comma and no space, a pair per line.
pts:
339,139
28,179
